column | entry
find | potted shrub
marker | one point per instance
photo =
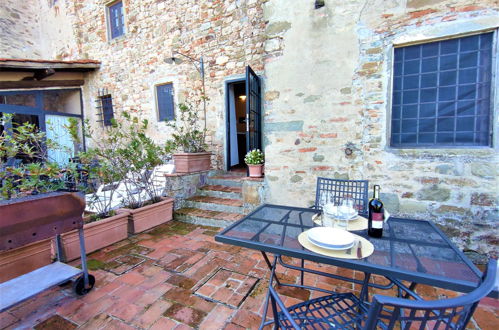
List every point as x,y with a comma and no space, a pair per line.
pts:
190,140
254,159
104,175
19,180
142,157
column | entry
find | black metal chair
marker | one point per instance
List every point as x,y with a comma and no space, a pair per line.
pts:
346,311
338,189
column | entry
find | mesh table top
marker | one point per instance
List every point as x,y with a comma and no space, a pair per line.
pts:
413,250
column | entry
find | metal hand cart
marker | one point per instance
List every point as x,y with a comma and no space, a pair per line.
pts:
33,219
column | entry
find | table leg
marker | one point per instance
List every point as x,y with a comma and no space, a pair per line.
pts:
270,267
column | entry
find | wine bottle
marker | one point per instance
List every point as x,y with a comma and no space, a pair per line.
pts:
376,215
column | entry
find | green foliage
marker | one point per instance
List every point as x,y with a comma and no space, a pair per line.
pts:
254,157
40,175
126,157
187,137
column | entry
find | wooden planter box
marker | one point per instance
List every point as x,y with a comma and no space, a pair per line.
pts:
192,162
150,216
24,259
98,235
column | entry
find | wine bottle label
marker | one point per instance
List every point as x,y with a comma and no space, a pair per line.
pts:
377,218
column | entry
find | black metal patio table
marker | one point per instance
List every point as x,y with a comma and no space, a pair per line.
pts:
411,250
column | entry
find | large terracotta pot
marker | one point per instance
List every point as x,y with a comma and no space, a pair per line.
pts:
98,235
255,171
192,162
24,259
150,216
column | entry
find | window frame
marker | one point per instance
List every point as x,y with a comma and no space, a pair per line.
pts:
494,94
109,20
158,113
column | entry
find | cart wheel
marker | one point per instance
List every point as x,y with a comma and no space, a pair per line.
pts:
79,284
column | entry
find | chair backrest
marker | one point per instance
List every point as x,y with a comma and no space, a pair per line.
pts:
338,189
454,313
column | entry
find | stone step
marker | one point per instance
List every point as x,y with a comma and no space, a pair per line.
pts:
221,191
226,180
206,217
215,204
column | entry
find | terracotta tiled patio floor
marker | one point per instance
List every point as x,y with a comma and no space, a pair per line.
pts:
177,276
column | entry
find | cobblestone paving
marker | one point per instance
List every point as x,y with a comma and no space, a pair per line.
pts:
177,277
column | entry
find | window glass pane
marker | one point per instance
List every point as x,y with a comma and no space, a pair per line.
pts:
411,67
445,124
448,62
448,102
412,52
396,126
426,138
446,108
409,126
408,138
427,125
411,82
429,64
164,95
465,124
467,92
410,97
467,76
27,100
427,110
62,101
429,95
446,93
447,78
468,60
429,80
430,49
448,47
410,111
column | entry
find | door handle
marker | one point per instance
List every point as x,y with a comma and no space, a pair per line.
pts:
247,122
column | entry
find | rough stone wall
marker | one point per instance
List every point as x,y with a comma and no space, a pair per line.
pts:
20,29
328,74
228,34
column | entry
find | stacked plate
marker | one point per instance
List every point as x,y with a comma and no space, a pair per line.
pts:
332,211
331,238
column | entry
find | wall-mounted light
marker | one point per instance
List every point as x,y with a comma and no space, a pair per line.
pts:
242,97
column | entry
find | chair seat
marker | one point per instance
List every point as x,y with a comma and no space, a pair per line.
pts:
340,310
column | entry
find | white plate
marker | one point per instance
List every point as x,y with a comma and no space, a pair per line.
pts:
331,238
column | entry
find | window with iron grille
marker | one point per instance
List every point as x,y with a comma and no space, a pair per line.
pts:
116,19
442,93
164,97
106,105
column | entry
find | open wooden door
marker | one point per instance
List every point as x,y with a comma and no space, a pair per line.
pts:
253,111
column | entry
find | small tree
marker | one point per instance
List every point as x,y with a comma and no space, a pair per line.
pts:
187,136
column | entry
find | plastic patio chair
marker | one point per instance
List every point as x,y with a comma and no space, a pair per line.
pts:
346,311
355,189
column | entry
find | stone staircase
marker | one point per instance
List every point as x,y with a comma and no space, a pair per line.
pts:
219,203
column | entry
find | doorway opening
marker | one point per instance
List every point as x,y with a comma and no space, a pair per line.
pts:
244,119
236,128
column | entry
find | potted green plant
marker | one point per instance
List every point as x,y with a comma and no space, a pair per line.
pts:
190,141
25,170
143,189
254,159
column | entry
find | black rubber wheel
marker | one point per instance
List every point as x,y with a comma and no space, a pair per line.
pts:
79,285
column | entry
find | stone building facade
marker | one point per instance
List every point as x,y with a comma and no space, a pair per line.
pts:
327,81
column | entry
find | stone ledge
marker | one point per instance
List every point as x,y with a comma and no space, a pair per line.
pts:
185,174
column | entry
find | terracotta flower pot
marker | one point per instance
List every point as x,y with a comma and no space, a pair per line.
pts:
150,216
24,259
255,171
192,162
97,234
